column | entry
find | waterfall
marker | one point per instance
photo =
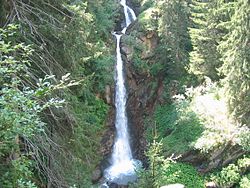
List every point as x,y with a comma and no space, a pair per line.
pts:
122,169
129,15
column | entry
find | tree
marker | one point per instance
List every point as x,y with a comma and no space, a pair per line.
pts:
206,31
236,58
174,37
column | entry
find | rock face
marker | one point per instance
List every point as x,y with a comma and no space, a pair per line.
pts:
173,186
150,41
144,91
142,95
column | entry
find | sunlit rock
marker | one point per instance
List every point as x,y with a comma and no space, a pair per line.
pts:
173,186
211,185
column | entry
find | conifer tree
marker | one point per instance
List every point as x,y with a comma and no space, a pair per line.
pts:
207,29
236,57
173,32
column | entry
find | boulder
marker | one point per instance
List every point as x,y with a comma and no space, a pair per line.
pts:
173,186
211,185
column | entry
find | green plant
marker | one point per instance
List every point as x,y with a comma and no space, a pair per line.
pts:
244,164
229,175
162,171
21,109
175,172
19,174
245,181
233,174
177,125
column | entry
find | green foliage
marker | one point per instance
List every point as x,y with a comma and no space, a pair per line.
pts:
233,174
20,174
220,35
103,11
236,58
74,36
66,37
178,126
209,104
140,66
175,172
228,176
245,182
163,171
148,177
103,72
144,180
172,28
21,108
148,19
244,163
146,4
205,59
167,21
89,31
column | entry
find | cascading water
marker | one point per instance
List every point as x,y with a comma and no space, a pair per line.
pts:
129,15
122,169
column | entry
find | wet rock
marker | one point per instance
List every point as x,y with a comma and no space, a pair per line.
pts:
142,95
107,143
96,175
122,186
173,186
113,185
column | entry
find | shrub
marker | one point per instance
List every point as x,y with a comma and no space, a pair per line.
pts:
163,171
178,127
175,172
233,174
245,181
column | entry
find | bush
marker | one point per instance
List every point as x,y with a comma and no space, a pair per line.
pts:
163,171
178,127
245,182
229,176
233,174
175,172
